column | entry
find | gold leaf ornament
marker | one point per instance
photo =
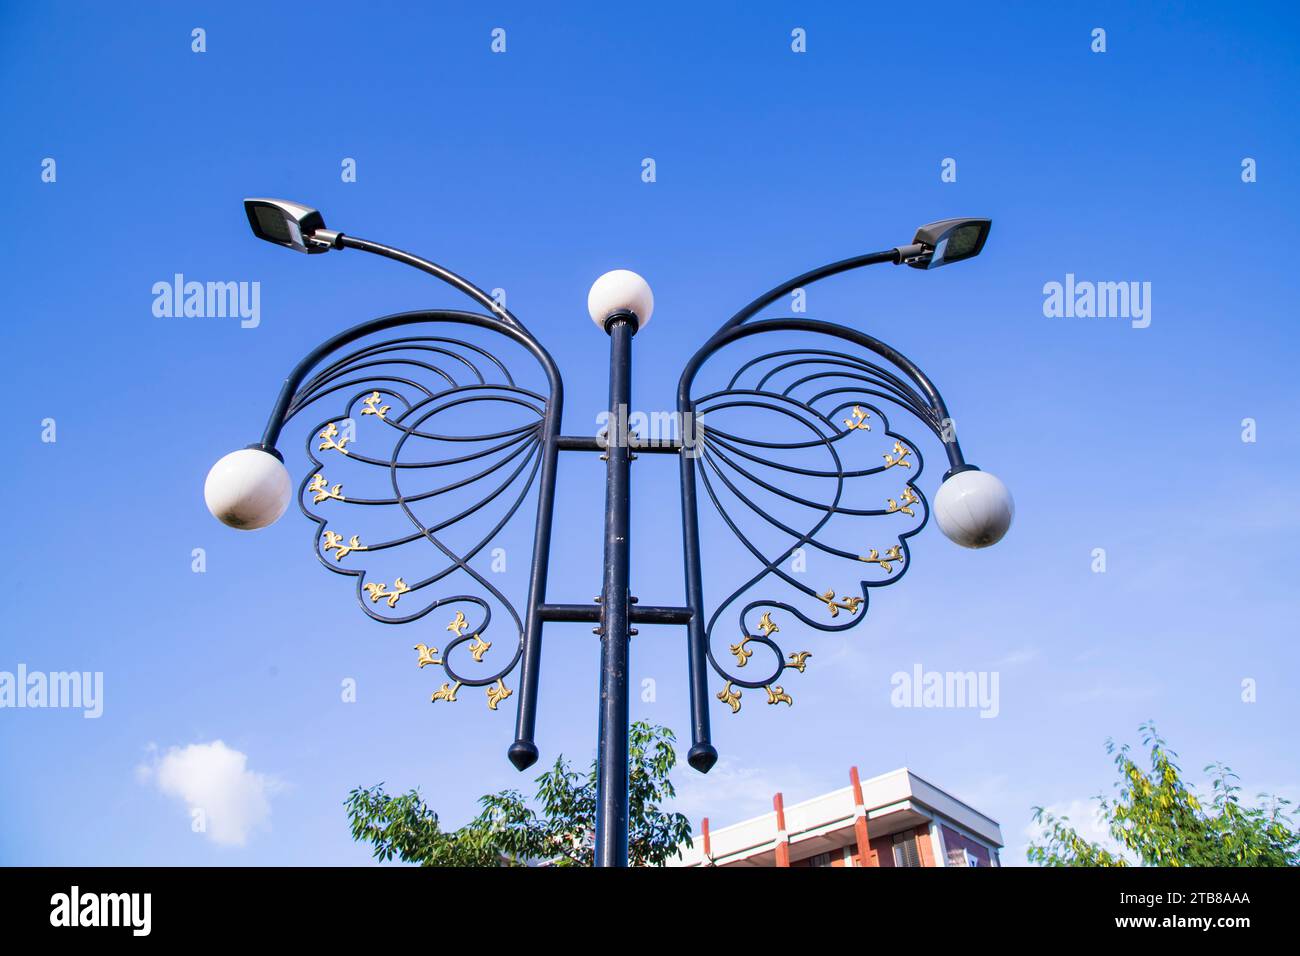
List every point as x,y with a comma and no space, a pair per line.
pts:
497,693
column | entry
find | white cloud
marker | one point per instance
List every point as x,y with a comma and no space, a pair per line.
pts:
1022,655
1105,692
984,793
1086,819
215,779
730,793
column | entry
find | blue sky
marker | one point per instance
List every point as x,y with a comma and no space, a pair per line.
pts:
523,170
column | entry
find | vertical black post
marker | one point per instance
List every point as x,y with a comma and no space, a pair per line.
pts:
702,755
615,630
523,752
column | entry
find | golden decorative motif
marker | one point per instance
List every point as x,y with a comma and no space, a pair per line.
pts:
427,655
497,694
859,420
909,498
894,554
330,433
372,406
333,542
731,697
849,604
479,647
380,590
445,692
799,660
320,491
902,453
742,653
777,695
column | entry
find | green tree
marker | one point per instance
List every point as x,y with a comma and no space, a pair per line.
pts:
508,831
1158,821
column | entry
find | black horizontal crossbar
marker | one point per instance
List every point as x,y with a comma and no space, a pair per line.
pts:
590,614
588,443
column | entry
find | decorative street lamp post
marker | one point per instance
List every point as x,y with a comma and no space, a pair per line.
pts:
814,406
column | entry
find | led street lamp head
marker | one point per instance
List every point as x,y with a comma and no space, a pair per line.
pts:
289,224
944,242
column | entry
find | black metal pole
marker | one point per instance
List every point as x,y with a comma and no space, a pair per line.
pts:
702,755
523,752
615,621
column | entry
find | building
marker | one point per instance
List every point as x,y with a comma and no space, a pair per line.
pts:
896,819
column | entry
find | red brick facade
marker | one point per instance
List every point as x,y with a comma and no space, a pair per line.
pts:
900,821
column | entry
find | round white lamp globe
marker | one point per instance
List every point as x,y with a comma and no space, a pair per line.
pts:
247,489
974,509
618,291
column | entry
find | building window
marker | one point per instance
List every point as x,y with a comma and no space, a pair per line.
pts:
905,851
962,857
821,859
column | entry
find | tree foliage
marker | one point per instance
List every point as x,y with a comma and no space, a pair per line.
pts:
509,831
1157,820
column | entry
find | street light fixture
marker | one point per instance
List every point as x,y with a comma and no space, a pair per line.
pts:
946,242
287,224
248,489
830,395
620,291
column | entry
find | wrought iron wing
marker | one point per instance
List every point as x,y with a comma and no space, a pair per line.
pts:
422,449
795,450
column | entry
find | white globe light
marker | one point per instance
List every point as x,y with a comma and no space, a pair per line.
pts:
247,489
617,291
974,509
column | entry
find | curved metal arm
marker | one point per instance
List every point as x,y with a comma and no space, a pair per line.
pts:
730,333
313,358
344,241
823,272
